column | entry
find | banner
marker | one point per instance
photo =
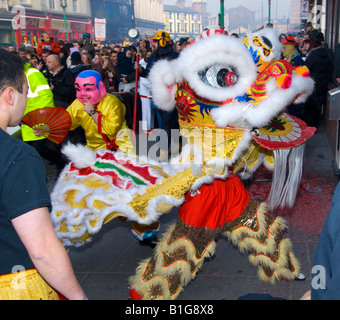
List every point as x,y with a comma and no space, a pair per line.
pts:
100,29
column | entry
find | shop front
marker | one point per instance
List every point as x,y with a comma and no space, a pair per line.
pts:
55,25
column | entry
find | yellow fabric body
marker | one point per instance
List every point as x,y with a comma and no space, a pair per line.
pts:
25,285
113,124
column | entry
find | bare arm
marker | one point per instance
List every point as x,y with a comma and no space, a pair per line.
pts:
47,253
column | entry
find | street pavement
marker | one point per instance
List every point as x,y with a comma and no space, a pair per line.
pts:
104,265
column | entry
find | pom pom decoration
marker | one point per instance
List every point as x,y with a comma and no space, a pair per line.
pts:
49,122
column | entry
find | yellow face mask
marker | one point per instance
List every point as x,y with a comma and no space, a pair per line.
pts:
258,49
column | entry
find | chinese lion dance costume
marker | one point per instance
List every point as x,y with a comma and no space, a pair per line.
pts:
230,95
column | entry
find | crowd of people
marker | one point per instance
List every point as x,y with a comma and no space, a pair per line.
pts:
310,49
56,74
61,62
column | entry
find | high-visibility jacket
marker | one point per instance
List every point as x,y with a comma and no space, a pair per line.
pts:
39,95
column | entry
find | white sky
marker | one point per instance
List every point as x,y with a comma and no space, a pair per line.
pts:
279,8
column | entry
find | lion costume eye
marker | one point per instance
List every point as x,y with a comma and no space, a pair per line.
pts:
219,76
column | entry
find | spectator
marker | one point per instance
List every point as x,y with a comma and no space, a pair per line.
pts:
48,43
126,42
39,96
87,44
115,79
145,96
117,48
321,70
312,33
34,60
299,41
321,37
66,55
76,64
61,44
27,236
104,66
61,82
291,54
22,52
143,43
86,59
11,49
41,66
305,49
126,68
114,58
168,120
96,58
182,43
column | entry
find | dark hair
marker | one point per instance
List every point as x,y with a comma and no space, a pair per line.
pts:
34,55
46,51
314,43
12,71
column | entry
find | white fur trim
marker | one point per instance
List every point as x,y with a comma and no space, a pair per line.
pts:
80,155
259,116
215,50
164,78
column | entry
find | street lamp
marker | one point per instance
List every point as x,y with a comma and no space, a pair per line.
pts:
221,14
63,4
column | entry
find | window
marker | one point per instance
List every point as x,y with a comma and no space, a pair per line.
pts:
52,4
75,5
43,4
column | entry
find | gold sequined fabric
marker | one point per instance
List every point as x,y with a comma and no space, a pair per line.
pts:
215,142
25,285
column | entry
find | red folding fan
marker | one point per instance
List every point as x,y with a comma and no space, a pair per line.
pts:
51,123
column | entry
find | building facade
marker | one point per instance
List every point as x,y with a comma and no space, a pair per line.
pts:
240,20
148,16
181,21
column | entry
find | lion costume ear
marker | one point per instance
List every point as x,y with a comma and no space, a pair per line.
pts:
164,80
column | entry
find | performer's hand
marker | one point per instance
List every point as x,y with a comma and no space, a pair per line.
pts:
37,132
138,66
88,106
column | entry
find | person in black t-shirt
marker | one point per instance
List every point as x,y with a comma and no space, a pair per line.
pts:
28,242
